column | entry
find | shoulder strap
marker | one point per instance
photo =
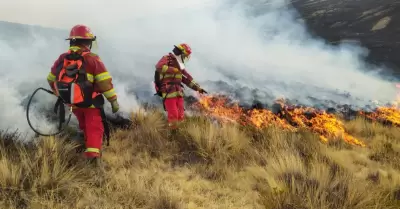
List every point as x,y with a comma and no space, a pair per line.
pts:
71,55
82,71
169,57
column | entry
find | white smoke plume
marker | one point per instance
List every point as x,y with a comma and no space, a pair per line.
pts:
255,44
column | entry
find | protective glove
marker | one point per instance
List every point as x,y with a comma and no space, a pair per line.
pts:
202,91
53,91
114,106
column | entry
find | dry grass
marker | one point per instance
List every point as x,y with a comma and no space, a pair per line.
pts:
206,165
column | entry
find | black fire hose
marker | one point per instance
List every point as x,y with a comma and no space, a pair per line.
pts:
61,113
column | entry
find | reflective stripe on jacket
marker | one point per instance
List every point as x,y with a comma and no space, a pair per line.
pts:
171,77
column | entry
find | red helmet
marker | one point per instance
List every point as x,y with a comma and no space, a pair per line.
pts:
81,32
185,48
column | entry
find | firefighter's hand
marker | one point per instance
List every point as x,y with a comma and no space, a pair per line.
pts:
114,106
202,91
53,91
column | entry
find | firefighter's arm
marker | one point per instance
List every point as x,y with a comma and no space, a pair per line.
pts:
103,80
51,77
187,79
163,68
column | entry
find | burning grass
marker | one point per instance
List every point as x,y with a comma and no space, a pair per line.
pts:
292,117
209,165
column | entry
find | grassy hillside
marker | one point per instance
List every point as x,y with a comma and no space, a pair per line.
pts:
207,165
373,23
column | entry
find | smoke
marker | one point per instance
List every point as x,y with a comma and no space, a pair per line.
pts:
249,45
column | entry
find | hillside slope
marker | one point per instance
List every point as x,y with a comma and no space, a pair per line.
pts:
314,163
207,166
376,24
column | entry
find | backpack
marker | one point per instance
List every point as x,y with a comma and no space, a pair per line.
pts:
72,85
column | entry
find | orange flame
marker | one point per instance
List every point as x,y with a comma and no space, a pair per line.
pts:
389,114
385,114
326,125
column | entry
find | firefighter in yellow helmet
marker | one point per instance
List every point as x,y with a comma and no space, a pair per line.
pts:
169,75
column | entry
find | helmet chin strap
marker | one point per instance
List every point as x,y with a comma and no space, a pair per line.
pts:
180,60
184,58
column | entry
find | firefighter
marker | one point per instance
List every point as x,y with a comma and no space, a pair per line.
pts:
169,75
86,98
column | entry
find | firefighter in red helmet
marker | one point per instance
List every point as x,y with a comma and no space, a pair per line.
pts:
169,75
80,79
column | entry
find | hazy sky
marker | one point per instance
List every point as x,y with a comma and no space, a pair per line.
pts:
64,13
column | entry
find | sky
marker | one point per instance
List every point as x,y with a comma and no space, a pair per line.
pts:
64,13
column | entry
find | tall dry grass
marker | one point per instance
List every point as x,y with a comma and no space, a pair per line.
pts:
206,165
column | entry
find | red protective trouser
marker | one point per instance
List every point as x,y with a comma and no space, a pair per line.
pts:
175,110
90,122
